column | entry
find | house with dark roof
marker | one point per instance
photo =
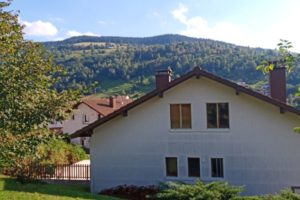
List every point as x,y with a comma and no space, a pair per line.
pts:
87,111
199,126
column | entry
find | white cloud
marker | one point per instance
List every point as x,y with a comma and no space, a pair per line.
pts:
267,36
102,22
39,28
74,33
179,13
199,27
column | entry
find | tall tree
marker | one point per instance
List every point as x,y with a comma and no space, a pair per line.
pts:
28,99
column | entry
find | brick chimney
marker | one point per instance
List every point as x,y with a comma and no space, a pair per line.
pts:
277,83
113,102
163,78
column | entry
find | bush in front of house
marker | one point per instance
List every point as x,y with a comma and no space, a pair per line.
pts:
199,191
59,152
53,152
285,194
215,191
132,192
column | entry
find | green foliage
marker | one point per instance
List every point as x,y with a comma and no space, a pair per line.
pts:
28,97
56,152
19,152
139,58
286,58
198,191
136,59
214,191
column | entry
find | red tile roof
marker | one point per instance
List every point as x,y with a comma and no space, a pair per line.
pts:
196,72
102,105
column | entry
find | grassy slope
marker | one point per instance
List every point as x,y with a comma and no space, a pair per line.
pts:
118,86
10,189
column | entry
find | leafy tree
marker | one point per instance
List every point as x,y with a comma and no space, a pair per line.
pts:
287,59
28,98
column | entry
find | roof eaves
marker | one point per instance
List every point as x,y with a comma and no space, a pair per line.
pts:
87,131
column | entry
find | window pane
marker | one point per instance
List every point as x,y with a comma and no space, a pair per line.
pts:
223,115
171,166
217,167
175,116
186,115
211,110
220,165
194,167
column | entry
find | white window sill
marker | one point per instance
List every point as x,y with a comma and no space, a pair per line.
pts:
214,179
215,130
193,179
172,178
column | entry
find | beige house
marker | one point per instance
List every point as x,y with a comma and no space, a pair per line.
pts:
199,126
88,111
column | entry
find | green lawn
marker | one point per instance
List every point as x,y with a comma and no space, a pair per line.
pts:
10,189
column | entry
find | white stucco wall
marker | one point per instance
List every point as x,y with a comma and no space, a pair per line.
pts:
72,125
260,150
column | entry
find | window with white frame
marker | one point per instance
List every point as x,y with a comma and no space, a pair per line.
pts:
193,167
180,116
217,167
171,166
217,115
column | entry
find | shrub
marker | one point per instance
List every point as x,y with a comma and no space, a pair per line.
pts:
283,195
57,152
52,152
199,191
132,192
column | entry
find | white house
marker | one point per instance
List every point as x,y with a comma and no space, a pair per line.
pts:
87,111
199,126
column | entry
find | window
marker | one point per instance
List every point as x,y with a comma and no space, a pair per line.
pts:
217,115
194,167
171,166
85,118
82,139
217,167
180,115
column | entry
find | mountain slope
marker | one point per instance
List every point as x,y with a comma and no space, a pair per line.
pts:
124,65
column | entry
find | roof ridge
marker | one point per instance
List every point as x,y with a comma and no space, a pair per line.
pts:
198,72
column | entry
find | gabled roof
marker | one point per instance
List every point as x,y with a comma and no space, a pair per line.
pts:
196,72
102,105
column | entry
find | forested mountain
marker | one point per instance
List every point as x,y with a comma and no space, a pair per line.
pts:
124,65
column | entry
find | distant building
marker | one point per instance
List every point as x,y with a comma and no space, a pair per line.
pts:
87,111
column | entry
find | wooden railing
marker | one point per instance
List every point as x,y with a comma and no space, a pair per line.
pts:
62,172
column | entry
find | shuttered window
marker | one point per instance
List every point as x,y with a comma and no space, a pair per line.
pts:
180,116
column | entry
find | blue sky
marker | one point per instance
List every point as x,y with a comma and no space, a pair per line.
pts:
255,23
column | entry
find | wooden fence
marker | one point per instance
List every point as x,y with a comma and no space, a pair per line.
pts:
62,172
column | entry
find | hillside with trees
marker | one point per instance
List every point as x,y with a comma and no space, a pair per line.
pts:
124,65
